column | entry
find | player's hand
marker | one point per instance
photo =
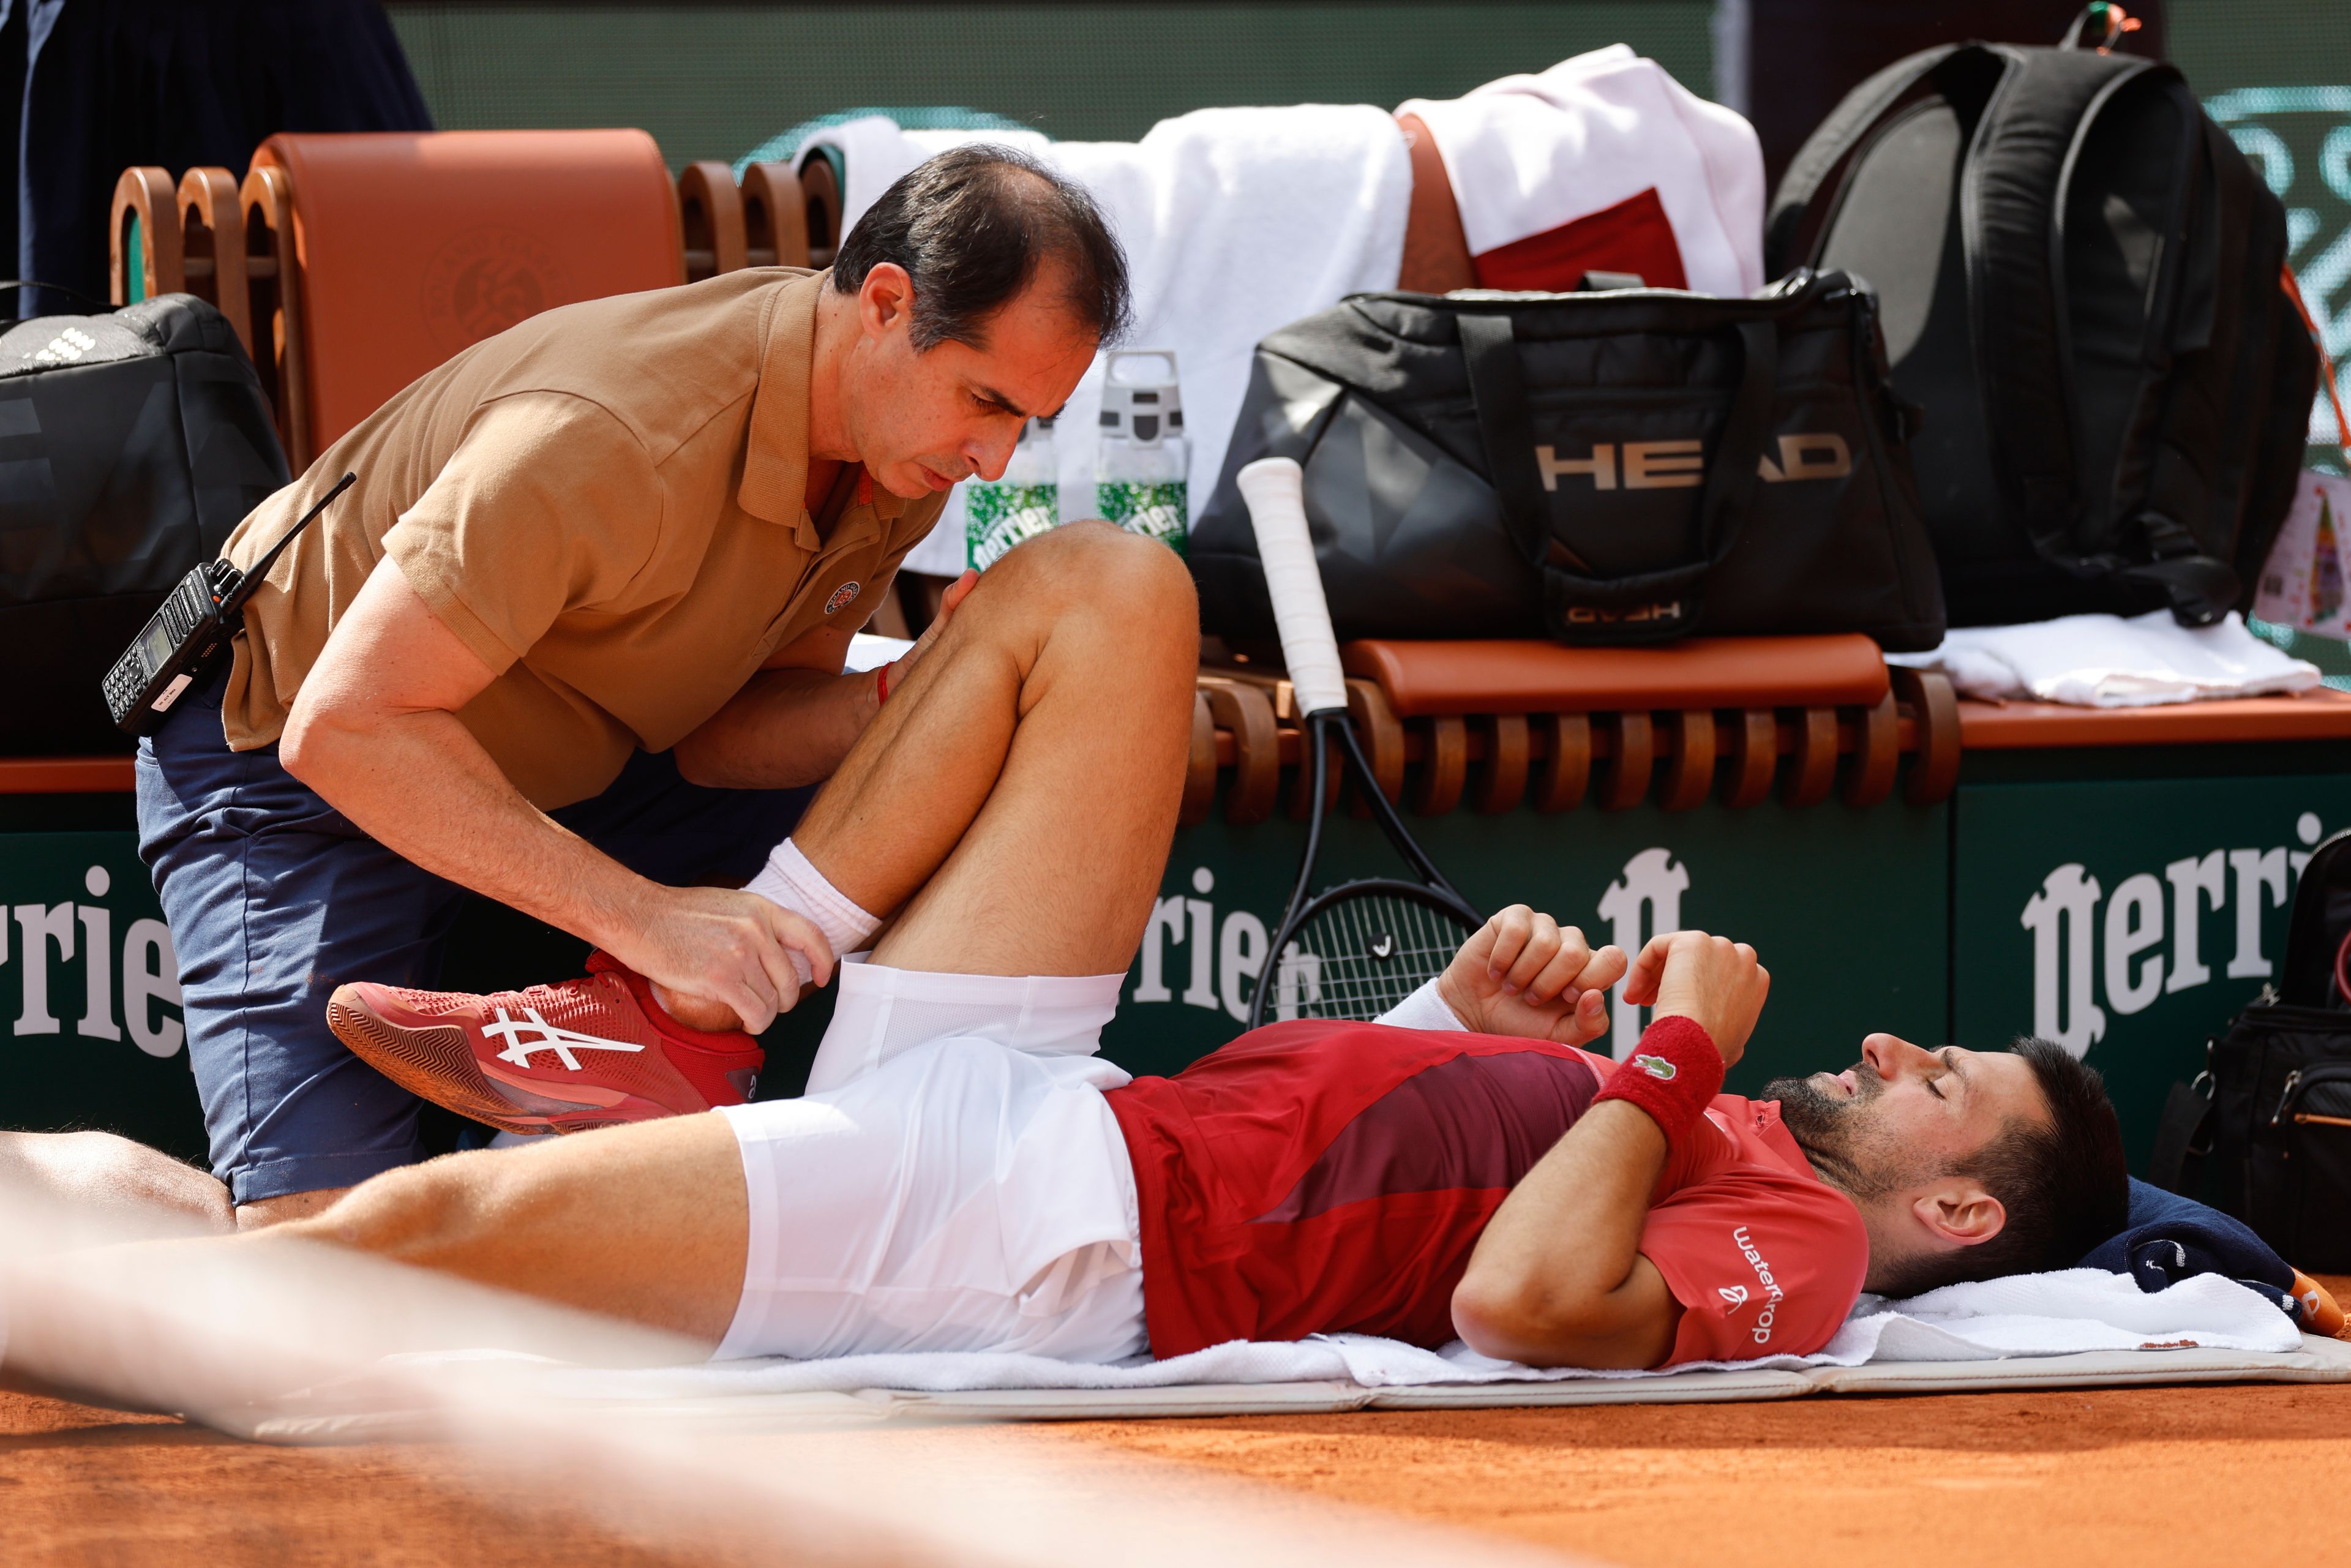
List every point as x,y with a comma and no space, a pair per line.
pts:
957,591
1714,982
1525,974
721,946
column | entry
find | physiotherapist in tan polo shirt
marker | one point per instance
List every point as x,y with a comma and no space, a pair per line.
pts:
575,640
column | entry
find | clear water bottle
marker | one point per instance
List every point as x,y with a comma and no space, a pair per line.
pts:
1024,502
1139,467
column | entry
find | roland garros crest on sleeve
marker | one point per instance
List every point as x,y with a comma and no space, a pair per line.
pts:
843,596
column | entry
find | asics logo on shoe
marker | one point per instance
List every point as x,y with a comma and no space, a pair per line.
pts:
532,1033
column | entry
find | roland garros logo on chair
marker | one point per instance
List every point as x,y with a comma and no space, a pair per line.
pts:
485,280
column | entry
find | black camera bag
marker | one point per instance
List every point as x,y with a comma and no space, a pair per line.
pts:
1619,466
131,445
2267,1124
2082,281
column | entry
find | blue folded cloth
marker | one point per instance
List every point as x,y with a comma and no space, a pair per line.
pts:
2169,1237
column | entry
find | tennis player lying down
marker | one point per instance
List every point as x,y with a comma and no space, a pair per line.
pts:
967,1173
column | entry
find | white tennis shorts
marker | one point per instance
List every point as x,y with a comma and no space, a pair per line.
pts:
953,1179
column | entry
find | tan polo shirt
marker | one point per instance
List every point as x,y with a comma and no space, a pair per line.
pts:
605,502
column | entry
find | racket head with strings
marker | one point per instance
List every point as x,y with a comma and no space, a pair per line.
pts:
1377,940
1356,950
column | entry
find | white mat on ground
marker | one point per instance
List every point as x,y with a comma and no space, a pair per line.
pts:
2079,1328
2107,661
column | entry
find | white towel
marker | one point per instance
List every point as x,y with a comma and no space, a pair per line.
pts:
2105,661
1530,154
2028,1316
1236,221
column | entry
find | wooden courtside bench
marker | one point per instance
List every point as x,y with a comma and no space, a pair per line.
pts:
1495,725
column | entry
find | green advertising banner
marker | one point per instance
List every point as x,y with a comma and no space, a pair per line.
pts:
1846,907
2127,919
89,993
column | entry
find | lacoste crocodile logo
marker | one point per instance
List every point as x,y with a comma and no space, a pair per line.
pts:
1657,1067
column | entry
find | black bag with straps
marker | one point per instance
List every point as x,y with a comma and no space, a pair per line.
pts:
1616,467
2083,284
134,440
2267,1125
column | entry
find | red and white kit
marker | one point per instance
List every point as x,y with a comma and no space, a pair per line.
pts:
966,1174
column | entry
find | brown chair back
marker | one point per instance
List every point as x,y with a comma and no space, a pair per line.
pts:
404,249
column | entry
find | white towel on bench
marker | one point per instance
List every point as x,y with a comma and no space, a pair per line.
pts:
2107,661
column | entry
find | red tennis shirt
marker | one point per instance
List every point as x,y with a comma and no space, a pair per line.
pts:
1320,1177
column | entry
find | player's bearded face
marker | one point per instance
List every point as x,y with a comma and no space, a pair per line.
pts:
1849,1138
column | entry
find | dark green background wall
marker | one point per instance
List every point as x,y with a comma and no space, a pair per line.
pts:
714,82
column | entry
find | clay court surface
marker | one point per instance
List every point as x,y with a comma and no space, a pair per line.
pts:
2150,1476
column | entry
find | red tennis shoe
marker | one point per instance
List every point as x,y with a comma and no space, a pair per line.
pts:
586,1053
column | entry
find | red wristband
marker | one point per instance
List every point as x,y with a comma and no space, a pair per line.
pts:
1673,1074
880,685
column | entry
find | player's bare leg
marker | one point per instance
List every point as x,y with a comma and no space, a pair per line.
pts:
1013,817
118,1185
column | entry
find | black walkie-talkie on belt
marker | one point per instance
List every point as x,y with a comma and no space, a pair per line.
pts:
189,631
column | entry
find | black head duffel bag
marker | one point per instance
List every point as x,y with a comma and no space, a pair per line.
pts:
1623,467
131,443
2082,283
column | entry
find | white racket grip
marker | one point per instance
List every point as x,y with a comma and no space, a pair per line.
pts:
1275,490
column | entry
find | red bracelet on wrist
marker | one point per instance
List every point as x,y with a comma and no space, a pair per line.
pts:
1673,1074
880,685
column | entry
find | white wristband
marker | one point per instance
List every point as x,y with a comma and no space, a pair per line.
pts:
1424,1009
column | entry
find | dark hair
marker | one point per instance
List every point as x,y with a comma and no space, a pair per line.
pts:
2065,1183
971,227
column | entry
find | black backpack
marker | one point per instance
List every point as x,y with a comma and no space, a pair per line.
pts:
2082,285
1623,465
2266,1127
133,442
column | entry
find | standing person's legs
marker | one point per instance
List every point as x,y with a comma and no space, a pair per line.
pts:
274,898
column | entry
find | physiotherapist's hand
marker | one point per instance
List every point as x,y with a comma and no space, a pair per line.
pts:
1524,974
1714,982
723,945
957,591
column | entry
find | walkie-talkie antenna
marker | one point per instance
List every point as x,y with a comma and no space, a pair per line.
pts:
250,583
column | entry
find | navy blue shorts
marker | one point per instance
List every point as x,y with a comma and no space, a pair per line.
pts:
274,899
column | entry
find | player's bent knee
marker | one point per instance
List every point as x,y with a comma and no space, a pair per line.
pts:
1093,562
1137,583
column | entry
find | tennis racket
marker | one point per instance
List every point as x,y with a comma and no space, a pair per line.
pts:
1355,949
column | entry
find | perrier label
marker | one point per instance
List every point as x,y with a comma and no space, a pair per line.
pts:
1156,508
998,516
